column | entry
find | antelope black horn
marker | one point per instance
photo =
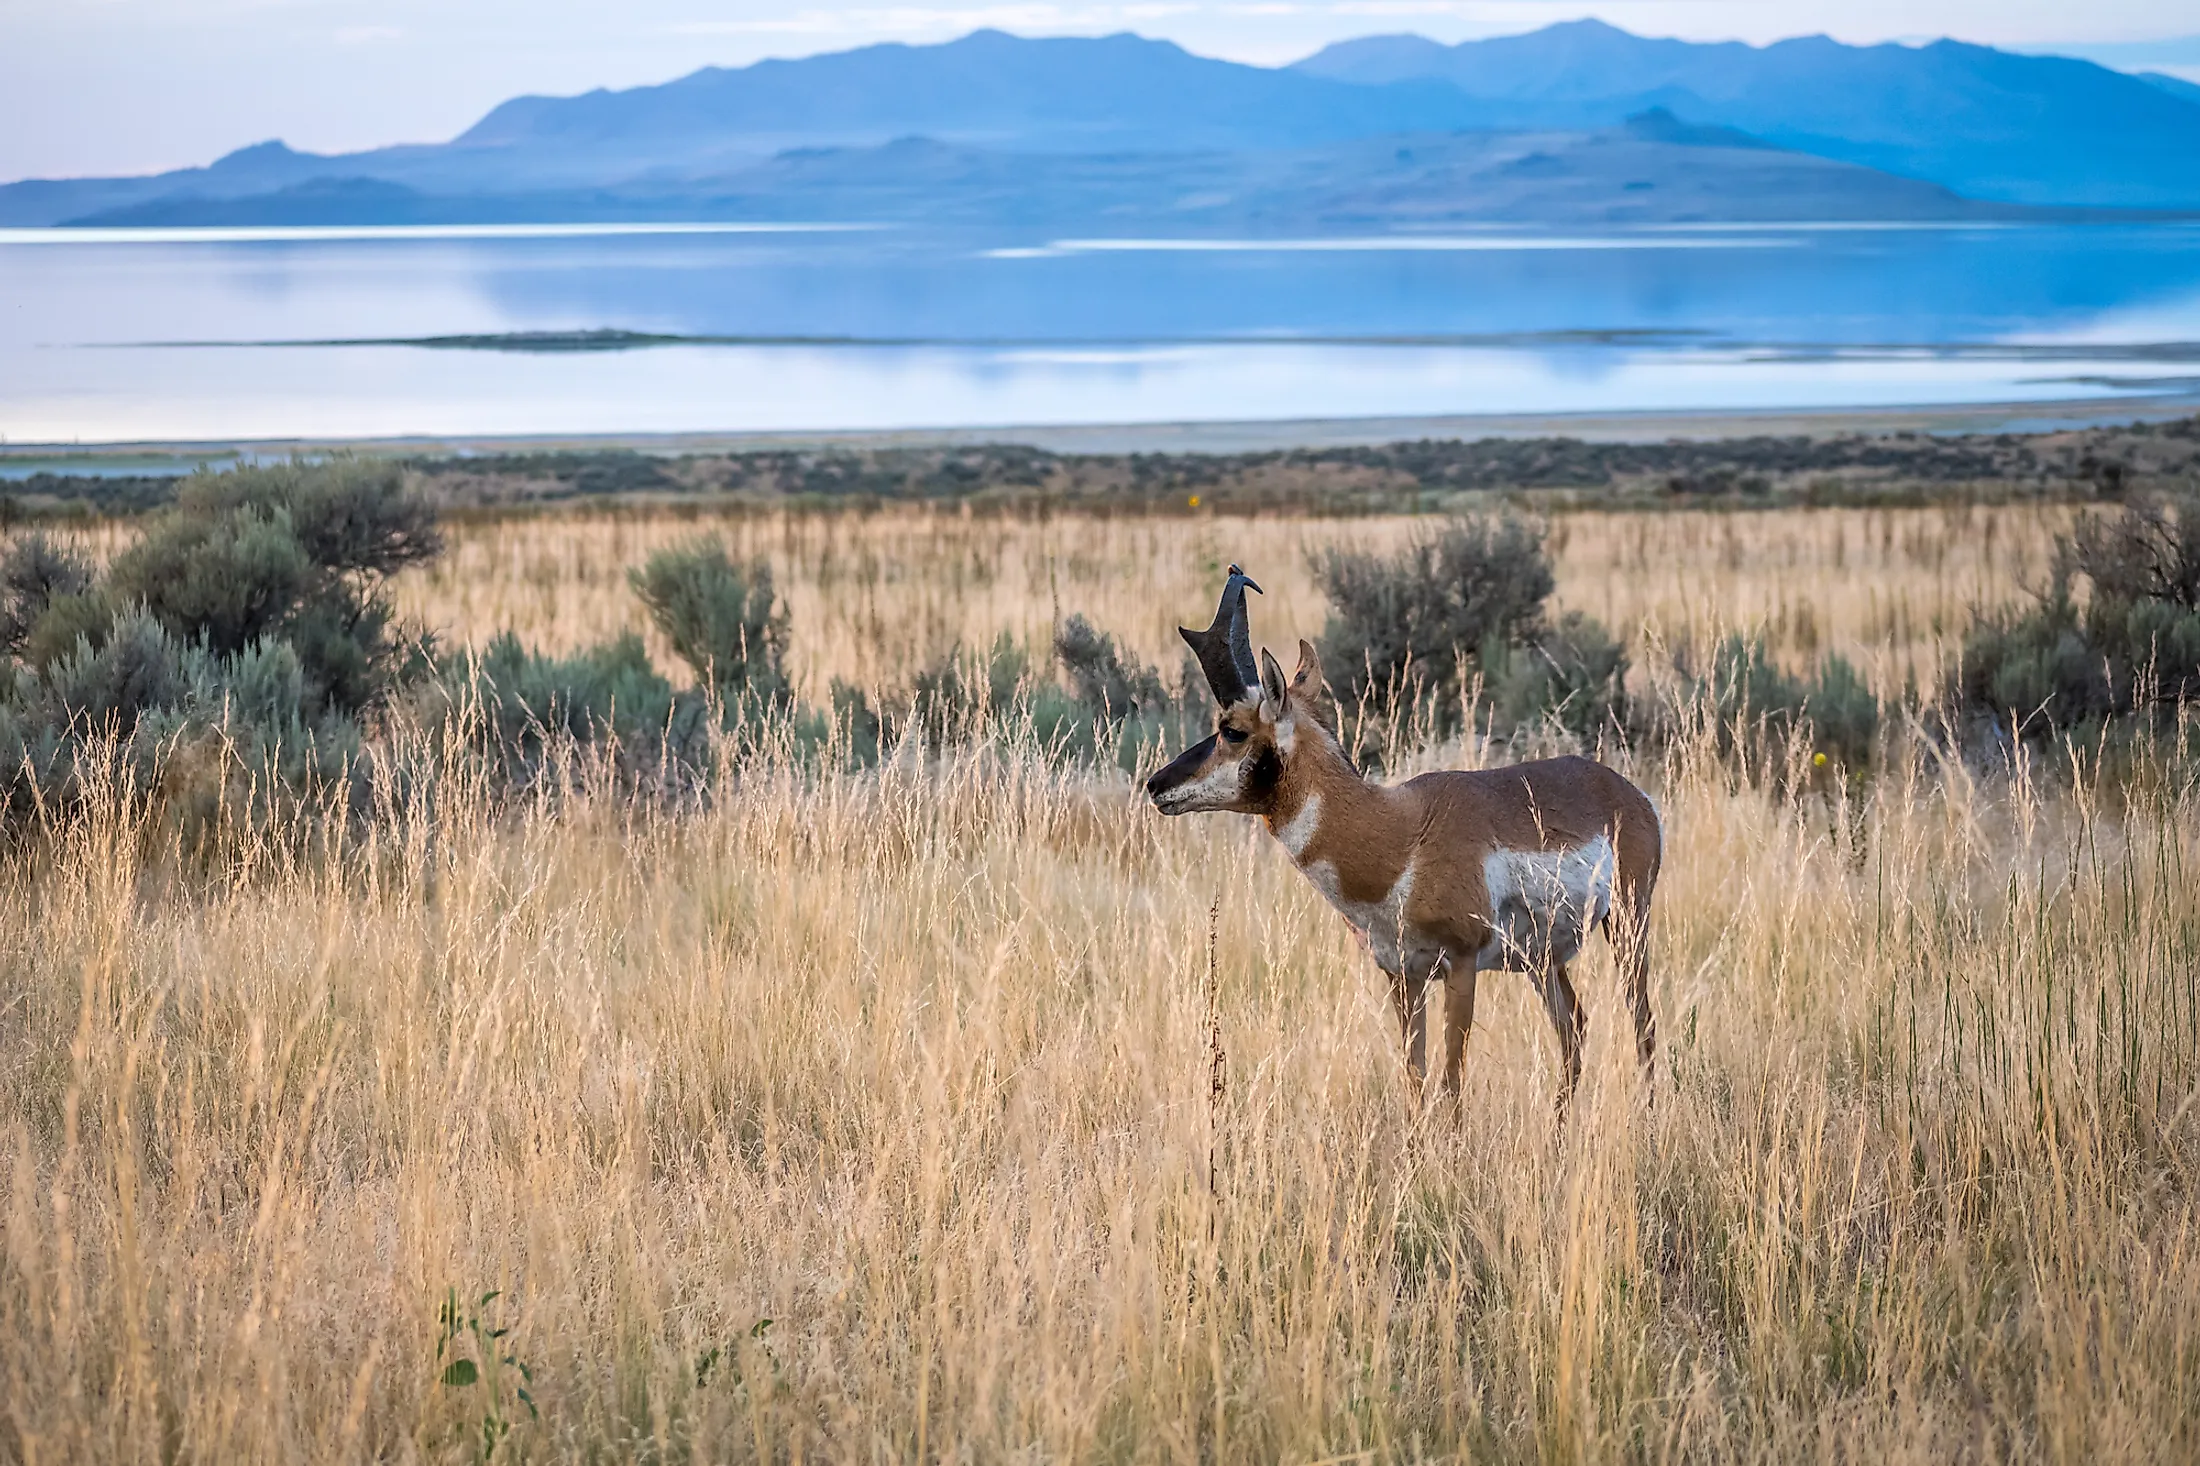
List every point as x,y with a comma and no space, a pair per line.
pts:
1225,649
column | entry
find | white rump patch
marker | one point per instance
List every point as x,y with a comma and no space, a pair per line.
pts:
1298,832
1544,903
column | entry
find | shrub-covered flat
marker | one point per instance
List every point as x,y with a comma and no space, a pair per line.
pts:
680,987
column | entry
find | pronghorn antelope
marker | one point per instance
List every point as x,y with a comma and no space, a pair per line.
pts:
1445,875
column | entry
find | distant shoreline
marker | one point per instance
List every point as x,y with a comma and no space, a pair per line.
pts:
177,455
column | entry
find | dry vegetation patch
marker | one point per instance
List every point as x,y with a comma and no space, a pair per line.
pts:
872,1113
914,1065
873,594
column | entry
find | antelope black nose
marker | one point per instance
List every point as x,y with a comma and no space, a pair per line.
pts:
1153,784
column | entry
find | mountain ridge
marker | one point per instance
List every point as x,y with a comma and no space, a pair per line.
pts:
1990,124
1978,124
1653,170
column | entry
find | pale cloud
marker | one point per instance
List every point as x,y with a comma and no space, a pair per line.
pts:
366,35
916,20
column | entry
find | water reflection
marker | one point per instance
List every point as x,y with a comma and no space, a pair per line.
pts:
980,331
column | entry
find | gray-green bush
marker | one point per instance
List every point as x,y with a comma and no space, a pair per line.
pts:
34,573
1103,678
722,619
1410,635
249,618
2113,640
1754,707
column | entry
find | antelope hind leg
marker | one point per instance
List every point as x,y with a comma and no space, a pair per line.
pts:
1572,1025
1631,945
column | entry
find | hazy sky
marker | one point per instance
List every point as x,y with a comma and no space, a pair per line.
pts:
126,86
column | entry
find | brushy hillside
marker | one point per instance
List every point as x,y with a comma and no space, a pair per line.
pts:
947,1102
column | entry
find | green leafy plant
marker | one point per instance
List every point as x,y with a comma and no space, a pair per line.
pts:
475,1365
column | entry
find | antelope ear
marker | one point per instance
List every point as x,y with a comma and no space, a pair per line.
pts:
1308,678
1310,692
1271,678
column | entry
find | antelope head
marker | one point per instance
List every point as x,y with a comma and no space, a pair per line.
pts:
1239,766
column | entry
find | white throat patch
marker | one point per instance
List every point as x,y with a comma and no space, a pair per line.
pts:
1298,832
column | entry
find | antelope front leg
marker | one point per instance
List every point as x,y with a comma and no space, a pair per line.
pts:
1458,1021
1409,995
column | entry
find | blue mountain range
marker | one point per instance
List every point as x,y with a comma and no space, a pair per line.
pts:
1577,123
1987,123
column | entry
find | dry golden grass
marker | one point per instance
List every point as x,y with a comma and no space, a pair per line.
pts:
874,594
915,1065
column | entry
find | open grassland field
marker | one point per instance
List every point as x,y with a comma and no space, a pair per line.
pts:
918,1113
876,594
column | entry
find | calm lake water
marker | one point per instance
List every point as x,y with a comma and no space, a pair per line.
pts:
161,334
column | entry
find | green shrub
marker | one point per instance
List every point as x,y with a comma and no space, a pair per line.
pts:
1844,713
351,516
1749,703
136,667
1574,677
721,618
68,621
297,552
142,695
1102,679
1408,635
606,692
34,572
1405,629
233,647
2129,650
963,695
223,580
1114,706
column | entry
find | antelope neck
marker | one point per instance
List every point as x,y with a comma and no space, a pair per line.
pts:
1318,783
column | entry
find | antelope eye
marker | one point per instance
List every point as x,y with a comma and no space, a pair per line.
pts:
1235,735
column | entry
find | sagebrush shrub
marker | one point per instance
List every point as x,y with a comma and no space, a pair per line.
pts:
1411,633
248,623
608,691
1404,629
1751,703
350,516
722,619
297,552
2147,551
2115,636
1103,678
1574,676
34,572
